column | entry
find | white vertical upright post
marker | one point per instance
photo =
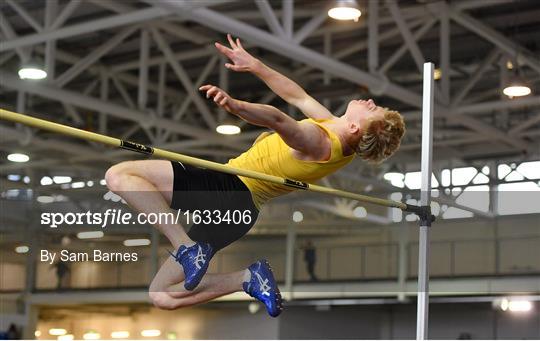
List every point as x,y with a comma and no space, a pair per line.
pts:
425,200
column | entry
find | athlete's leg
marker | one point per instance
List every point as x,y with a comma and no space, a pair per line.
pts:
147,186
167,289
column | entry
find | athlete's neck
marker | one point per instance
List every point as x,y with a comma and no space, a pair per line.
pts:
341,127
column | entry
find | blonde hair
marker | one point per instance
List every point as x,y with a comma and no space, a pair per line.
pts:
381,137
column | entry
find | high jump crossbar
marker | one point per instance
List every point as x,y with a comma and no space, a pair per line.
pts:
423,210
168,155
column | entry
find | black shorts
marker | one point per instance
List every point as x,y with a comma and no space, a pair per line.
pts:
222,200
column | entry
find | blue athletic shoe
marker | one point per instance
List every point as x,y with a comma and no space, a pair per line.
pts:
195,260
263,287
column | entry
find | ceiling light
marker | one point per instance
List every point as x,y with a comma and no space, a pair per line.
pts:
171,336
514,305
65,241
151,333
509,65
14,177
18,157
32,72
45,181
122,334
26,179
32,69
254,307
345,10
11,193
517,90
360,212
519,306
136,242
228,129
61,179
297,216
67,337
90,234
45,199
22,249
79,184
37,333
437,74
91,335
57,331
516,87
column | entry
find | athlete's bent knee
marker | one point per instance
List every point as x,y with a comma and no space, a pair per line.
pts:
116,177
162,300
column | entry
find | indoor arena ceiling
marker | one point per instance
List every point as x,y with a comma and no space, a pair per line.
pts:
130,69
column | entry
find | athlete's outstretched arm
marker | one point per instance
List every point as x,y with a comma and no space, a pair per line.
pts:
302,137
282,86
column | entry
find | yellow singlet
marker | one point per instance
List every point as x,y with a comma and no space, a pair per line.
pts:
271,155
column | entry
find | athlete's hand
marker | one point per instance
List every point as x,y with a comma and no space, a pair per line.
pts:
221,98
242,61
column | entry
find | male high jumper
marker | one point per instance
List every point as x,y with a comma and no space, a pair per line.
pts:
306,150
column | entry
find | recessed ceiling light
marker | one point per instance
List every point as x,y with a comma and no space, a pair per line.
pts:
137,242
57,331
121,334
228,129
22,249
45,199
18,157
61,179
151,333
90,235
297,216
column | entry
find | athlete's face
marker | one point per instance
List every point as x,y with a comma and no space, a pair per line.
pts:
359,112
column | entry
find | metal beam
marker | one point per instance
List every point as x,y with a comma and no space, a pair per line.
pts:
95,55
362,45
142,97
373,36
48,91
309,27
395,57
51,9
512,48
187,100
486,107
97,68
175,30
72,112
222,23
86,27
406,33
270,18
477,74
444,51
288,17
67,11
525,124
185,80
25,15
123,92
9,33
78,157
